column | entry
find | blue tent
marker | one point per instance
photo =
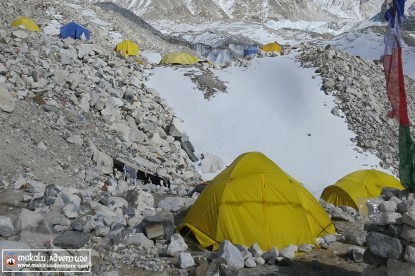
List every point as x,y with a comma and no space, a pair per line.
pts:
250,51
74,30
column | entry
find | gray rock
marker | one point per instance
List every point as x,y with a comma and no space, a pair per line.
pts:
255,250
19,34
384,246
7,102
271,254
75,139
185,260
177,245
289,251
6,227
84,50
101,230
329,238
356,236
51,193
32,228
176,127
140,239
35,187
175,203
103,161
372,259
71,240
167,222
68,56
305,248
410,253
338,214
250,262
388,206
408,233
118,235
259,260
399,268
409,218
71,210
231,254
349,210
211,163
78,225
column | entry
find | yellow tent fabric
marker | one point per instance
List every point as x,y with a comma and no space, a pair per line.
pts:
27,22
127,48
359,184
253,200
179,58
272,47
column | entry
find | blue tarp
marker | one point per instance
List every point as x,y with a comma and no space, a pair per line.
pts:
74,30
250,51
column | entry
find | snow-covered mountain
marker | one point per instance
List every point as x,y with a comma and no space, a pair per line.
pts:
259,10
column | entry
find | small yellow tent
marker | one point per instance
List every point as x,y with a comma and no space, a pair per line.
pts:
179,58
359,184
272,47
127,48
27,23
253,200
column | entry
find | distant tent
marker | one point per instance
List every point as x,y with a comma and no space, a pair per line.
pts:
127,48
272,47
359,184
253,200
75,31
179,58
27,23
250,51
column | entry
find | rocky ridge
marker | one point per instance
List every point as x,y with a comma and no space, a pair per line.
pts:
358,86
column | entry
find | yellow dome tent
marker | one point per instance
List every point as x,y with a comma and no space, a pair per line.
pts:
272,47
179,58
127,48
359,184
27,23
253,200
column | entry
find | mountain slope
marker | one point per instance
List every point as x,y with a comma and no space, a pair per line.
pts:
259,10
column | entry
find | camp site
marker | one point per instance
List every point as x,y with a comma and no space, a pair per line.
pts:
207,138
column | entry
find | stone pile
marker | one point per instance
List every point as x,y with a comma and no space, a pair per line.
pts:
391,234
359,89
79,82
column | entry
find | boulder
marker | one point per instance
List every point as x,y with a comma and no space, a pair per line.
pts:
231,254
7,102
271,254
384,246
140,239
289,251
185,260
177,245
32,228
6,227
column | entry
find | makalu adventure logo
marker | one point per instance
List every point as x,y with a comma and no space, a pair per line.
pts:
10,260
